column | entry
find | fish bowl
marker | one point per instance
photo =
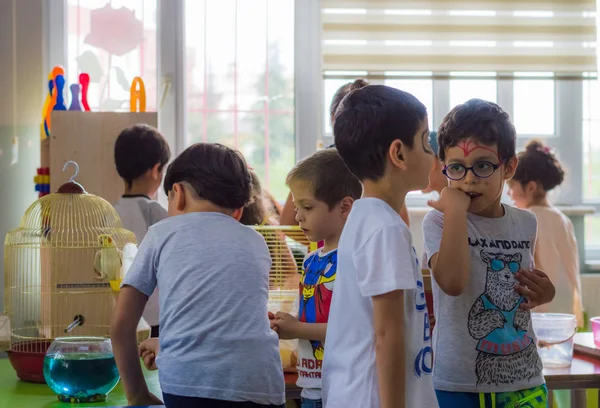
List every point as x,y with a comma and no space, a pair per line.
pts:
81,369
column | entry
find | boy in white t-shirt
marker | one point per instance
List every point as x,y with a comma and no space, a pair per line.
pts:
323,191
141,154
378,350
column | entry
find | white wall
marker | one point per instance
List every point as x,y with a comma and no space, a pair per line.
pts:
22,80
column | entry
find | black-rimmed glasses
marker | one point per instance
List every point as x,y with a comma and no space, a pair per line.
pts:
481,169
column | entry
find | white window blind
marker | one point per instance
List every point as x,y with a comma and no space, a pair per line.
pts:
474,35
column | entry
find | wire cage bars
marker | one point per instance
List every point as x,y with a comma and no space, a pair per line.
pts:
57,266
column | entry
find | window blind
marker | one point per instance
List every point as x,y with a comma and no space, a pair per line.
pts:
469,35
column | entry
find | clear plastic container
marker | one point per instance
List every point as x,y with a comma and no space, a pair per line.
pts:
555,332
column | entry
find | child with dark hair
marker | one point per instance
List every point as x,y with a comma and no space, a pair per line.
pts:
380,353
141,154
324,191
478,251
539,172
287,216
213,275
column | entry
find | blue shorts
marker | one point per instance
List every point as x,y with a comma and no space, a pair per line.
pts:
310,403
536,397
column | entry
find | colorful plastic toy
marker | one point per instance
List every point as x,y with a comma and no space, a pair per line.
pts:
42,181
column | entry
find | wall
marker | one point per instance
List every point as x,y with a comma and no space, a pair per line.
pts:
21,99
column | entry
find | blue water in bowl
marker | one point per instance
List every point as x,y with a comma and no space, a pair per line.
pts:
81,377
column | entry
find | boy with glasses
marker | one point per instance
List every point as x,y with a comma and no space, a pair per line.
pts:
480,252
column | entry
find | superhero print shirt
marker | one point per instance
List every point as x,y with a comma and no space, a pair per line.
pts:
316,288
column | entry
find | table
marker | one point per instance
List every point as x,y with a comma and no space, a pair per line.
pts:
16,393
583,374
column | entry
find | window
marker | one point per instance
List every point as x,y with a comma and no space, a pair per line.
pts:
591,140
331,85
239,71
461,90
591,162
113,42
240,82
422,89
592,236
534,105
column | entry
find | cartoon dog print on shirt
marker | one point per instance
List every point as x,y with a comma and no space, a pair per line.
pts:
506,353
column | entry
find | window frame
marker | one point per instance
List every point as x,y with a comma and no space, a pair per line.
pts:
567,121
171,69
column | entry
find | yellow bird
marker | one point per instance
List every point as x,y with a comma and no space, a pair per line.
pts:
108,259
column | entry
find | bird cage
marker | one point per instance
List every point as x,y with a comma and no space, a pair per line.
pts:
60,268
288,246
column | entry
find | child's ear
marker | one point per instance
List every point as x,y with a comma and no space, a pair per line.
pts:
237,214
155,172
510,166
531,187
346,206
179,199
397,154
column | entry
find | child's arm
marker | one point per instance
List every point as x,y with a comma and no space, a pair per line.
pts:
288,327
388,314
385,266
451,266
288,213
128,312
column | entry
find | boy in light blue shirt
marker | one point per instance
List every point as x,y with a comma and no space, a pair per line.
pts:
216,345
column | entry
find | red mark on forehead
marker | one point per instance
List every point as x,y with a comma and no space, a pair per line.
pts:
469,146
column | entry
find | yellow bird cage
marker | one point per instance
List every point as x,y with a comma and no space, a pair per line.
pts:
58,268
288,246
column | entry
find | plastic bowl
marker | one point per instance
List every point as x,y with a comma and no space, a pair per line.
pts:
595,321
27,359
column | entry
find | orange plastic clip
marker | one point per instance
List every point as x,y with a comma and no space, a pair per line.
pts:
137,94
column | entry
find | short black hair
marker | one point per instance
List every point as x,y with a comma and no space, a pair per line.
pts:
482,121
215,172
138,149
327,176
368,121
538,163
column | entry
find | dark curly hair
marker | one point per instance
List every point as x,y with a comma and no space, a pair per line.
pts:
342,92
215,172
538,163
255,212
482,121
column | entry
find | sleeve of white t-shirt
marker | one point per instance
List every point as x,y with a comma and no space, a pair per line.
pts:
142,273
433,226
385,262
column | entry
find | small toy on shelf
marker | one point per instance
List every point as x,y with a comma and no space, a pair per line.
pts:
137,95
42,181
59,85
84,81
75,105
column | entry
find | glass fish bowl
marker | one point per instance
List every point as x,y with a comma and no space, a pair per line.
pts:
81,369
